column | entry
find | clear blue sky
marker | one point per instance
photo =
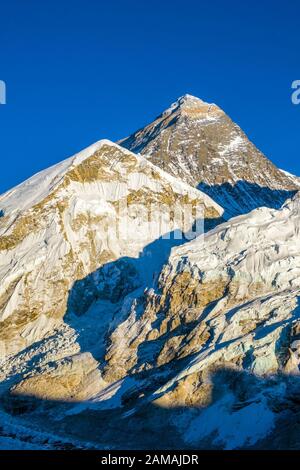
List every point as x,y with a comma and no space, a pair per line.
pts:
81,70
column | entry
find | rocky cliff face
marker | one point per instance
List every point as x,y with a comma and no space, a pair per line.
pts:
200,144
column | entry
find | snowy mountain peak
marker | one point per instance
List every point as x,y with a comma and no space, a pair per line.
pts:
188,97
198,143
192,107
89,151
190,100
39,186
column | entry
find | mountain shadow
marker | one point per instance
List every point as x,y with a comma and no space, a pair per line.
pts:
97,299
243,197
115,279
242,411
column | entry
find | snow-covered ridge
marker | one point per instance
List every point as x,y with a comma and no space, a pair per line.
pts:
294,179
250,244
39,186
